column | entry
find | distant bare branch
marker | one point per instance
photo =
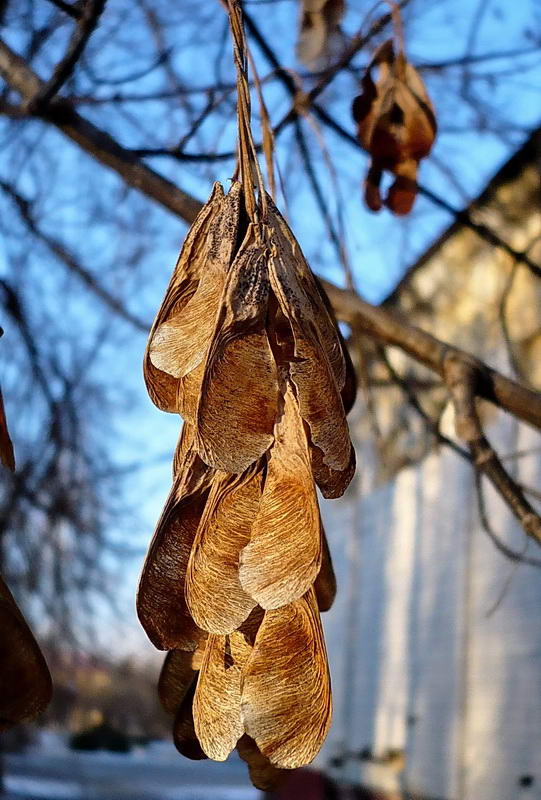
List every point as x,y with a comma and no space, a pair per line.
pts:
461,379
95,141
68,259
72,10
87,21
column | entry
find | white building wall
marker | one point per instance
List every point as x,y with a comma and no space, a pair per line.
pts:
435,637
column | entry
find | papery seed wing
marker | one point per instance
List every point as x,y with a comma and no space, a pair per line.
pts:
216,707
161,605
262,773
312,38
161,386
325,583
26,681
179,344
349,388
7,456
320,403
331,482
239,394
286,694
189,392
243,381
307,297
283,556
419,111
318,393
184,736
180,668
215,597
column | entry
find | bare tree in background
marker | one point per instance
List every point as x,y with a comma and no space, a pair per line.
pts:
114,119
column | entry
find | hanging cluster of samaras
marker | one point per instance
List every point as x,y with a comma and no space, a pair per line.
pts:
396,125
246,349
25,682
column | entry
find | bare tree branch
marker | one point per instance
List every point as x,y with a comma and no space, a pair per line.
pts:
390,328
95,141
508,552
69,260
72,10
461,379
87,22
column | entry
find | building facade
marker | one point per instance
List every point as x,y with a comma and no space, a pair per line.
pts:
435,636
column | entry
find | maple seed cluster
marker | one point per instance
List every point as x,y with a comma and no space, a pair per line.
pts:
246,349
396,125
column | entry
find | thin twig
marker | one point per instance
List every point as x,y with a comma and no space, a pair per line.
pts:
86,25
72,10
461,379
62,253
507,551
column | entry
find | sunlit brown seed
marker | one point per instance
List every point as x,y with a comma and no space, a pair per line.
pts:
180,668
239,394
308,302
311,370
263,774
180,342
215,597
325,583
161,386
26,686
332,483
396,124
286,694
283,556
217,701
184,736
161,603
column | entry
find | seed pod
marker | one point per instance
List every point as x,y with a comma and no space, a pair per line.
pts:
179,670
161,604
396,125
184,736
318,27
217,710
240,370
216,599
263,774
316,366
180,334
325,583
283,557
7,457
286,693
26,682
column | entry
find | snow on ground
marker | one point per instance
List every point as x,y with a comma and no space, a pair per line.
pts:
37,788
50,771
